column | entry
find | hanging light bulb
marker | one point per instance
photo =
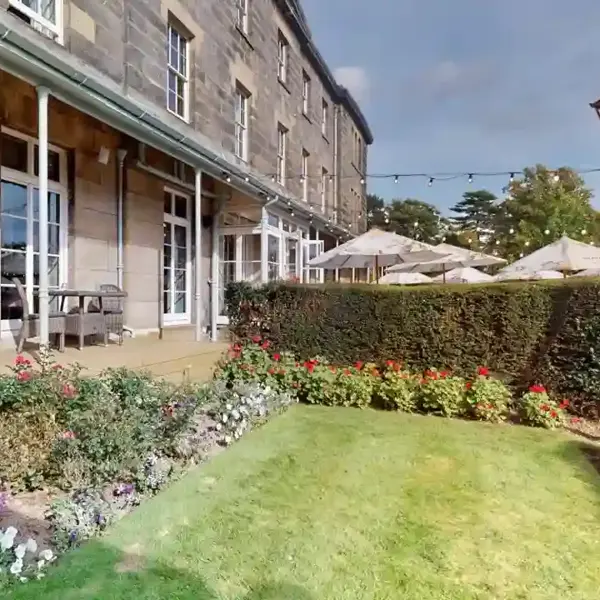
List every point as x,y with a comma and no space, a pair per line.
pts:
497,242
556,178
431,180
470,241
511,230
416,223
395,178
362,181
495,252
470,177
527,243
273,178
547,232
584,232
512,177
521,255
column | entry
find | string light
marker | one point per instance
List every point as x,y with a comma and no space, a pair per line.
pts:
431,180
470,178
395,178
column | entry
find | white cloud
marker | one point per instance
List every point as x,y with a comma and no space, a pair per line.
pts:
355,80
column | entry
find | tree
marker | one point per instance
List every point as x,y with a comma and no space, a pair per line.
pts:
541,207
376,213
476,211
415,219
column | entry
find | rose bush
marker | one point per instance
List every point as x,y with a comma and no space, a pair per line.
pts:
488,398
441,393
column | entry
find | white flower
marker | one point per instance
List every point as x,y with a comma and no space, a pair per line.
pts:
40,576
235,414
227,439
224,418
219,427
40,564
46,554
228,406
6,542
31,546
23,579
16,567
20,551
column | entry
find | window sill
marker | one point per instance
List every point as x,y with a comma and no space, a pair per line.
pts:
183,119
284,85
245,36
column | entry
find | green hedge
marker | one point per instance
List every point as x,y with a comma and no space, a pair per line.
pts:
546,332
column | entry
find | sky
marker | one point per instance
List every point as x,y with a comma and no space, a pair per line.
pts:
466,86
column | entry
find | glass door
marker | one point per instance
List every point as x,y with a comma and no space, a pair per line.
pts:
312,249
19,247
177,259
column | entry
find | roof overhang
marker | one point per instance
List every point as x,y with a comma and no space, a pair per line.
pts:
28,55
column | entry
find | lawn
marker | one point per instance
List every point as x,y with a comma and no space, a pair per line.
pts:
342,504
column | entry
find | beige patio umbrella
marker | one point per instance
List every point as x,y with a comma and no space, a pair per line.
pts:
375,248
404,279
528,275
456,257
464,275
563,255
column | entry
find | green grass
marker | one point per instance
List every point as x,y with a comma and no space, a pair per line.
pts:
339,504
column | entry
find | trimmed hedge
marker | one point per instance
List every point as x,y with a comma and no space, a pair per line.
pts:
543,332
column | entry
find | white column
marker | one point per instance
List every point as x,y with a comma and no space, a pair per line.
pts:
214,276
42,94
264,247
198,257
120,225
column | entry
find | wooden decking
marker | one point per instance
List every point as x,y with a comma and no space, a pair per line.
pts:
173,359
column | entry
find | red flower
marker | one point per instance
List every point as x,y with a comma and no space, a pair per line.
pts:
423,381
483,371
575,420
68,435
564,404
23,376
276,357
375,373
537,389
347,372
69,391
359,364
397,367
468,385
444,374
309,366
256,339
266,345
490,406
332,369
21,361
390,363
544,407
282,371
554,414
271,371
57,367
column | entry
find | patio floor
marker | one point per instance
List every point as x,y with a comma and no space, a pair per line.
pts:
173,359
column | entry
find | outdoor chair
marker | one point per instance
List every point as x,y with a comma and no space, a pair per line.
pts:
30,328
113,311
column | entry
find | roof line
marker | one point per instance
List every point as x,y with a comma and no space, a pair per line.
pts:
294,14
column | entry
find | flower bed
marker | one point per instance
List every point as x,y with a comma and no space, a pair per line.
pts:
390,386
98,446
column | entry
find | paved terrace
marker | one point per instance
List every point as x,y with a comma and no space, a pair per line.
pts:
174,359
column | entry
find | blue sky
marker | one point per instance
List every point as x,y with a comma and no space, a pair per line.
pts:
467,85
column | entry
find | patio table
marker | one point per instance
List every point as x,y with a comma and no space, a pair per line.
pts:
86,323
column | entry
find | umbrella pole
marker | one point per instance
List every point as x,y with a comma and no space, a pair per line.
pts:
376,269
443,273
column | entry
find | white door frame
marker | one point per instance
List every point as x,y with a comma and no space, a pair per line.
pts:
31,182
306,248
185,318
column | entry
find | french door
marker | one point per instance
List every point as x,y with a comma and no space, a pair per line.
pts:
19,245
312,249
177,252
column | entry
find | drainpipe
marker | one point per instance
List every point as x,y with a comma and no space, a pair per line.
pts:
198,258
121,154
336,167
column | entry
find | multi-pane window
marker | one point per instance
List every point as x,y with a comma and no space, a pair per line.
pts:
242,15
305,156
305,92
282,57
43,15
178,73
242,98
324,117
324,188
281,153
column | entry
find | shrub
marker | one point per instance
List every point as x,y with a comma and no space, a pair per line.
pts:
396,389
442,394
536,408
548,331
488,398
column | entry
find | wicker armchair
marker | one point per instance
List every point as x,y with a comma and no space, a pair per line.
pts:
30,328
113,311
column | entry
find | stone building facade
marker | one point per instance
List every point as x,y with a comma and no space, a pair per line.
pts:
226,107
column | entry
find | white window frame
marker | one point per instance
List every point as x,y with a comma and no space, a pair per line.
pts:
305,93
283,47
282,133
171,220
181,74
324,117
242,104
31,181
41,23
324,189
305,174
242,15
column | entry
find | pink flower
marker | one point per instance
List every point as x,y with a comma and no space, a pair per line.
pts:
21,361
68,435
23,376
276,357
69,391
